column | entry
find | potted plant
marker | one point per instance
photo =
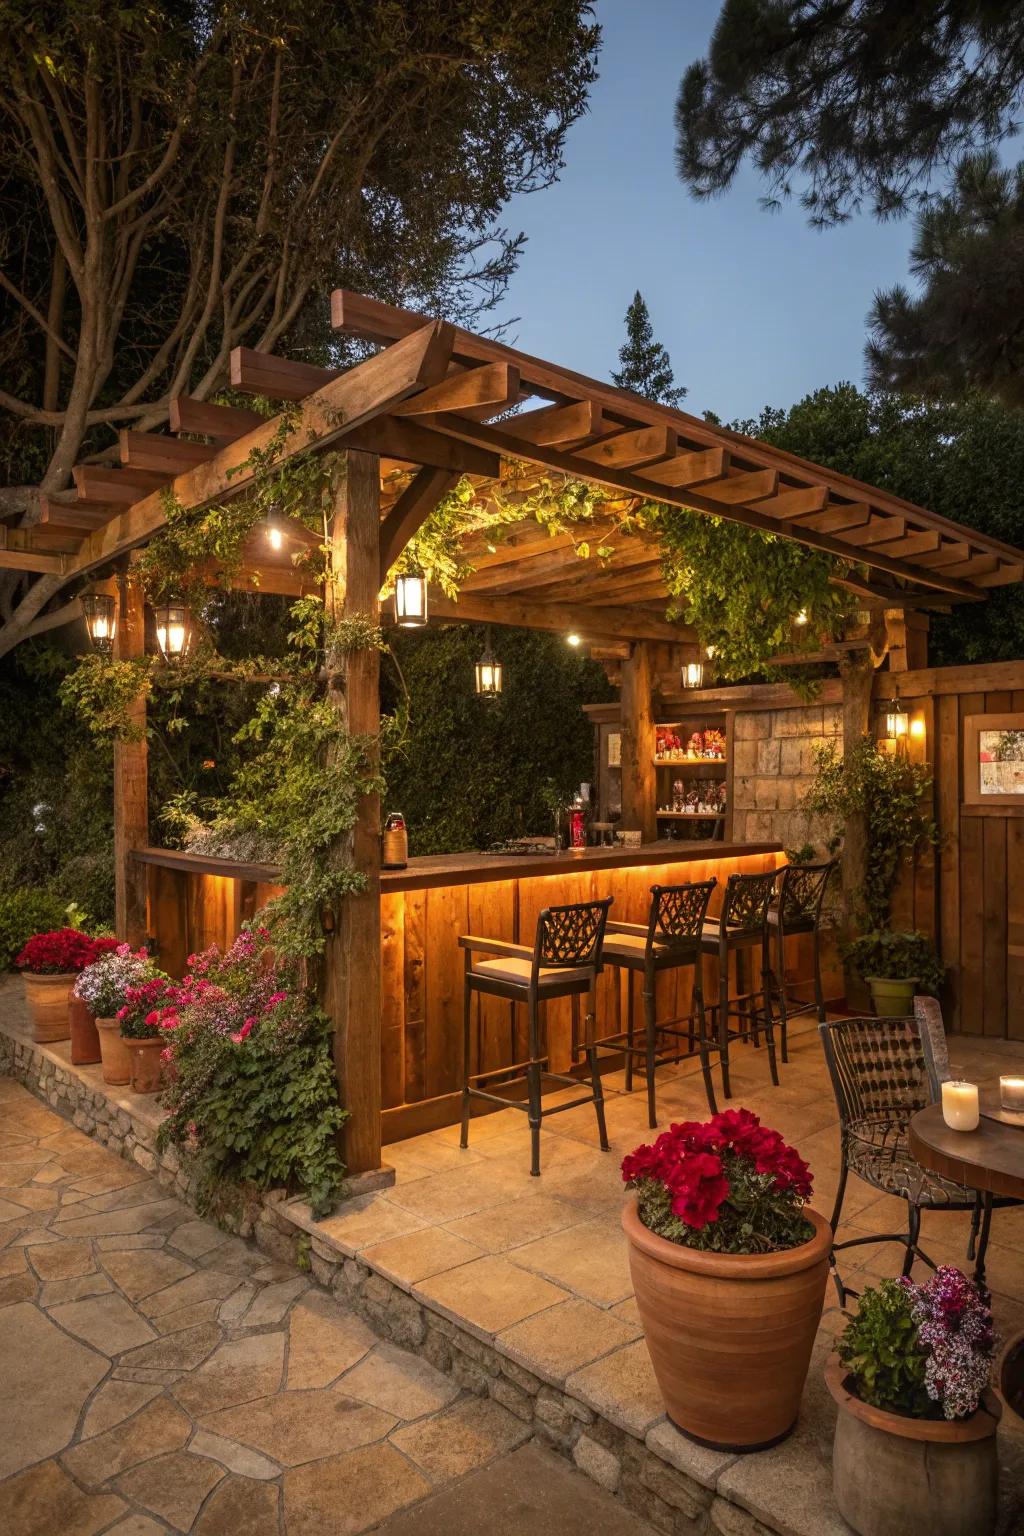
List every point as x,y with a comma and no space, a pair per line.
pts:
915,1445
85,1040
895,965
729,1267
49,964
102,986
148,1012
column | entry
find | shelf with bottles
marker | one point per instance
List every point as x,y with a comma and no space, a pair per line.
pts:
678,743
691,815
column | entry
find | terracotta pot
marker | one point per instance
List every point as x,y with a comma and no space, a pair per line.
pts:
47,999
146,1066
1011,1375
730,1335
85,1041
893,1474
892,999
117,1067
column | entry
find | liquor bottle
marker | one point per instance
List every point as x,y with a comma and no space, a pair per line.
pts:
396,842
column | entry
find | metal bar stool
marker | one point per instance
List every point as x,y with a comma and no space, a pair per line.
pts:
741,925
797,909
670,940
564,962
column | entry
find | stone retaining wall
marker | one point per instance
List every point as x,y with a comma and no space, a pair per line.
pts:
658,1476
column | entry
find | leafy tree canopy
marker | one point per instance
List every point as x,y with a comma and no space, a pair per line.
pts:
646,368
848,100
177,178
961,330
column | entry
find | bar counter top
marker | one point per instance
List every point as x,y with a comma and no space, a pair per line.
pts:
444,869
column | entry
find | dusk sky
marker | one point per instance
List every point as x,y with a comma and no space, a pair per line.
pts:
755,308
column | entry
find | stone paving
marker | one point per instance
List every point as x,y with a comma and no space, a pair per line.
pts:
161,1376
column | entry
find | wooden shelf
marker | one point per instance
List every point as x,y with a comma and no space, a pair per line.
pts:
690,762
691,815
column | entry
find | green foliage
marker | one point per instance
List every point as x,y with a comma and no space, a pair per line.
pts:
23,913
100,691
741,590
881,1351
956,332
890,791
896,957
646,367
847,103
264,1113
471,771
756,1218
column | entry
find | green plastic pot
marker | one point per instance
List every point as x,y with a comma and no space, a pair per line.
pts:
892,999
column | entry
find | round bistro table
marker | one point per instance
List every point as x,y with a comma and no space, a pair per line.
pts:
990,1159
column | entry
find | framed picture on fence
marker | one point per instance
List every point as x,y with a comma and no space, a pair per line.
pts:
994,760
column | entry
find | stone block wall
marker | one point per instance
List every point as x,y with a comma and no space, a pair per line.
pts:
773,766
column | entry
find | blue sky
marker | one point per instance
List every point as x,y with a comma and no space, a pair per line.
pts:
755,308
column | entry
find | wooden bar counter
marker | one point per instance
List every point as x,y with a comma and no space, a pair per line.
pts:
197,901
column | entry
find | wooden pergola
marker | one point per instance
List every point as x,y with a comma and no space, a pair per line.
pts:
436,403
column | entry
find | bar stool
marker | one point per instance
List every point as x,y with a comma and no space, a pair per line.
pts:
798,909
670,940
564,962
741,926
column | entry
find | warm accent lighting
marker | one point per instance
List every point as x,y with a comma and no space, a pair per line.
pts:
573,640
411,601
100,621
273,527
692,674
172,630
896,721
801,617
917,728
489,675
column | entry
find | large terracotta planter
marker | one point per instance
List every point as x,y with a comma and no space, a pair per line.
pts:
85,1040
47,999
893,1474
144,1056
730,1335
117,1067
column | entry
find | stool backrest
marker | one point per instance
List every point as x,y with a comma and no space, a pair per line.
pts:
746,902
878,1069
678,913
802,890
571,936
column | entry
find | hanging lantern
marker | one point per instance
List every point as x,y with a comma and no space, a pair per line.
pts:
274,529
895,721
411,601
100,612
800,619
173,630
489,677
692,674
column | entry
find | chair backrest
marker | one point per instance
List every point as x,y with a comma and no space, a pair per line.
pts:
571,936
802,889
928,1014
677,914
746,902
877,1067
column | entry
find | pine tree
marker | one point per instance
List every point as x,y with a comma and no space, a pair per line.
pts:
646,369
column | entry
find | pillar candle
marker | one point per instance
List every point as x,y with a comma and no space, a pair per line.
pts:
1011,1093
960,1106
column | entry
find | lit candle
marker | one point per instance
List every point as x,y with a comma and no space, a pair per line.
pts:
960,1106
1011,1093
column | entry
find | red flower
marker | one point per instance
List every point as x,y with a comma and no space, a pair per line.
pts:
63,950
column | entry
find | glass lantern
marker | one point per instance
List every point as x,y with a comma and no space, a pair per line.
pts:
100,612
411,601
173,630
895,721
692,674
489,674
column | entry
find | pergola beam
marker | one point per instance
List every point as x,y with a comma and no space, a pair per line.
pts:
597,623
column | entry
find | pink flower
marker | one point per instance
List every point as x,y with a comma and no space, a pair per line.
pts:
244,1032
152,1018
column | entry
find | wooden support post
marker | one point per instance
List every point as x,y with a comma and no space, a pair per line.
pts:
350,974
907,634
131,789
857,673
638,777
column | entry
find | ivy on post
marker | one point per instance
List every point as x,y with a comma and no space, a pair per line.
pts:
350,966
131,811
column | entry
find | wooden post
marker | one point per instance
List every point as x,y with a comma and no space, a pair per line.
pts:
350,974
639,789
907,634
131,788
857,673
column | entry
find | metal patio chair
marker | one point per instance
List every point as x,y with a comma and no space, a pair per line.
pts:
742,925
798,908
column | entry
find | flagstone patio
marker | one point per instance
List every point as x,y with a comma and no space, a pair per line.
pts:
518,1289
